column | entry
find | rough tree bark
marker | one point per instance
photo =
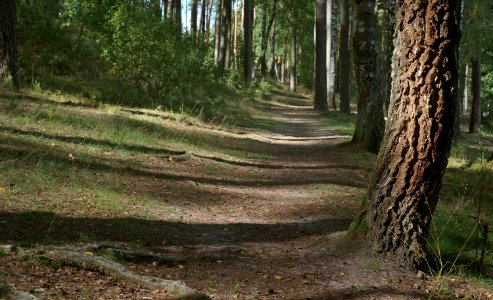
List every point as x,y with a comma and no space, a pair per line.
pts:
321,56
345,58
8,47
414,154
292,79
370,124
247,38
475,117
331,19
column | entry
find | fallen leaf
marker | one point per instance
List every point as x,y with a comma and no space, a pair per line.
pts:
219,261
170,158
2,190
181,266
278,277
89,253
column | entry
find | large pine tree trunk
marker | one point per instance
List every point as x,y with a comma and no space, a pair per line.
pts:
405,188
475,117
8,48
344,58
321,56
331,52
292,79
247,38
370,123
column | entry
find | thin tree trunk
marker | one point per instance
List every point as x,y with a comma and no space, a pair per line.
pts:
370,123
345,58
414,155
272,59
8,40
321,56
218,31
170,8
177,15
283,68
331,20
465,104
460,99
201,29
387,50
294,46
475,117
247,25
227,33
208,23
235,36
264,41
193,18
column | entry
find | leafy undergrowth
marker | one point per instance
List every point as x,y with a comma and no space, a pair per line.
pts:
255,210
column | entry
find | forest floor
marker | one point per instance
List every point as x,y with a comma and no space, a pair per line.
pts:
254,211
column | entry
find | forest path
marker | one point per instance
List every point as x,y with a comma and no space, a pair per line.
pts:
274,229
252,212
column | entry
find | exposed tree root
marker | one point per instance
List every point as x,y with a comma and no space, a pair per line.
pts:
142,257
8,292
119,271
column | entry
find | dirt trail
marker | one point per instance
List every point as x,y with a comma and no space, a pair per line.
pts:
277,233
270,227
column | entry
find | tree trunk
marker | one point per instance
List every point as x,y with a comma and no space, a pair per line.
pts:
217,32
208,25
201,29
292,79
227,33
283,68
8,47
405,188
247,25
264,40
235,35
177,14
475,117
370,123
193,18
272,59
460,99
321,56
387,50
331,19
345,58
170,8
